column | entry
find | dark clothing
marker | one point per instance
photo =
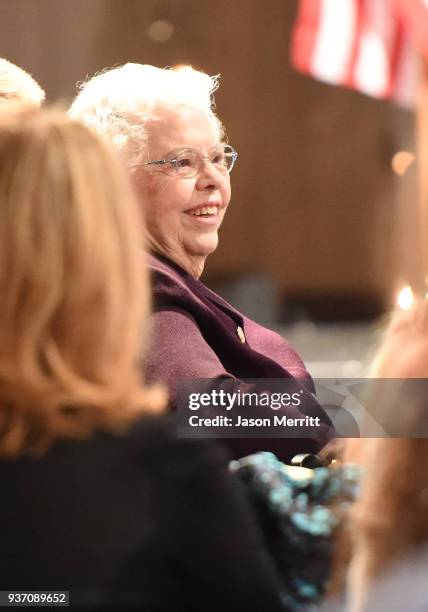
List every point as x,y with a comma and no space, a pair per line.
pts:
196,335
143,519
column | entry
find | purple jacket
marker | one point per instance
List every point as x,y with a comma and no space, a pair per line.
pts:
197,334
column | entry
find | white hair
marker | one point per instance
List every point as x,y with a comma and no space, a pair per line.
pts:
16,85
119,102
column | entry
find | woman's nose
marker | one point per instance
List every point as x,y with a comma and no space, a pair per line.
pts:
209,178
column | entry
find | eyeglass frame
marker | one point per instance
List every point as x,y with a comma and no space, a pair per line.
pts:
172,162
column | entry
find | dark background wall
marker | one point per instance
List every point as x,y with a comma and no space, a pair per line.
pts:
316,206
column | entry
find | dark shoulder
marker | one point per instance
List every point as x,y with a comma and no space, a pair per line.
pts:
149,446
153,440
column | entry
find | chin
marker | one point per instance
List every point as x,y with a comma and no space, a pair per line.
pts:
205,245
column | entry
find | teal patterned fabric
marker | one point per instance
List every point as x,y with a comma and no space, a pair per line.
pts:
298,510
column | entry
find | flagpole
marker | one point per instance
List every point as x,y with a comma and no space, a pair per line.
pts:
422,160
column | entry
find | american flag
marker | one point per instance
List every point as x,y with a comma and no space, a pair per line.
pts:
373,46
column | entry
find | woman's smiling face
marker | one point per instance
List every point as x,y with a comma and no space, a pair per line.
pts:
172,203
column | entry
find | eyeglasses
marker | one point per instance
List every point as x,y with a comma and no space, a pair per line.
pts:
189,162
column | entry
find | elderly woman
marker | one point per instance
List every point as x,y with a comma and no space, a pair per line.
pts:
99,498
163,123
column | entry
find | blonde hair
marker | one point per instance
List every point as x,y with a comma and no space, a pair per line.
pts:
74,290
389,518
119,103
16,85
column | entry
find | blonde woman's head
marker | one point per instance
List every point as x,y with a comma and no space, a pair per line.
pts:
74,290
389,518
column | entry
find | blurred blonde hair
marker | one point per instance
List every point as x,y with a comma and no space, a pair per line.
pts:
16,85
389,518
74,290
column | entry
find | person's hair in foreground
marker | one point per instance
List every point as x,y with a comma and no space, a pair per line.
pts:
16,85
389,519
73,290
120,102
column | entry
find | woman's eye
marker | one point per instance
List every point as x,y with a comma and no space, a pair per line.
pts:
218,159
183,162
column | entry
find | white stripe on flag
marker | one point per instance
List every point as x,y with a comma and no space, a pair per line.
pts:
334,42
373,61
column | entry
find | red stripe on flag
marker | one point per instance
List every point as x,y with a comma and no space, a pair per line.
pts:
305,34
396,56
414,17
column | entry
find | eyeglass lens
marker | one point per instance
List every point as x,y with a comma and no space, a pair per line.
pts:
190,161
